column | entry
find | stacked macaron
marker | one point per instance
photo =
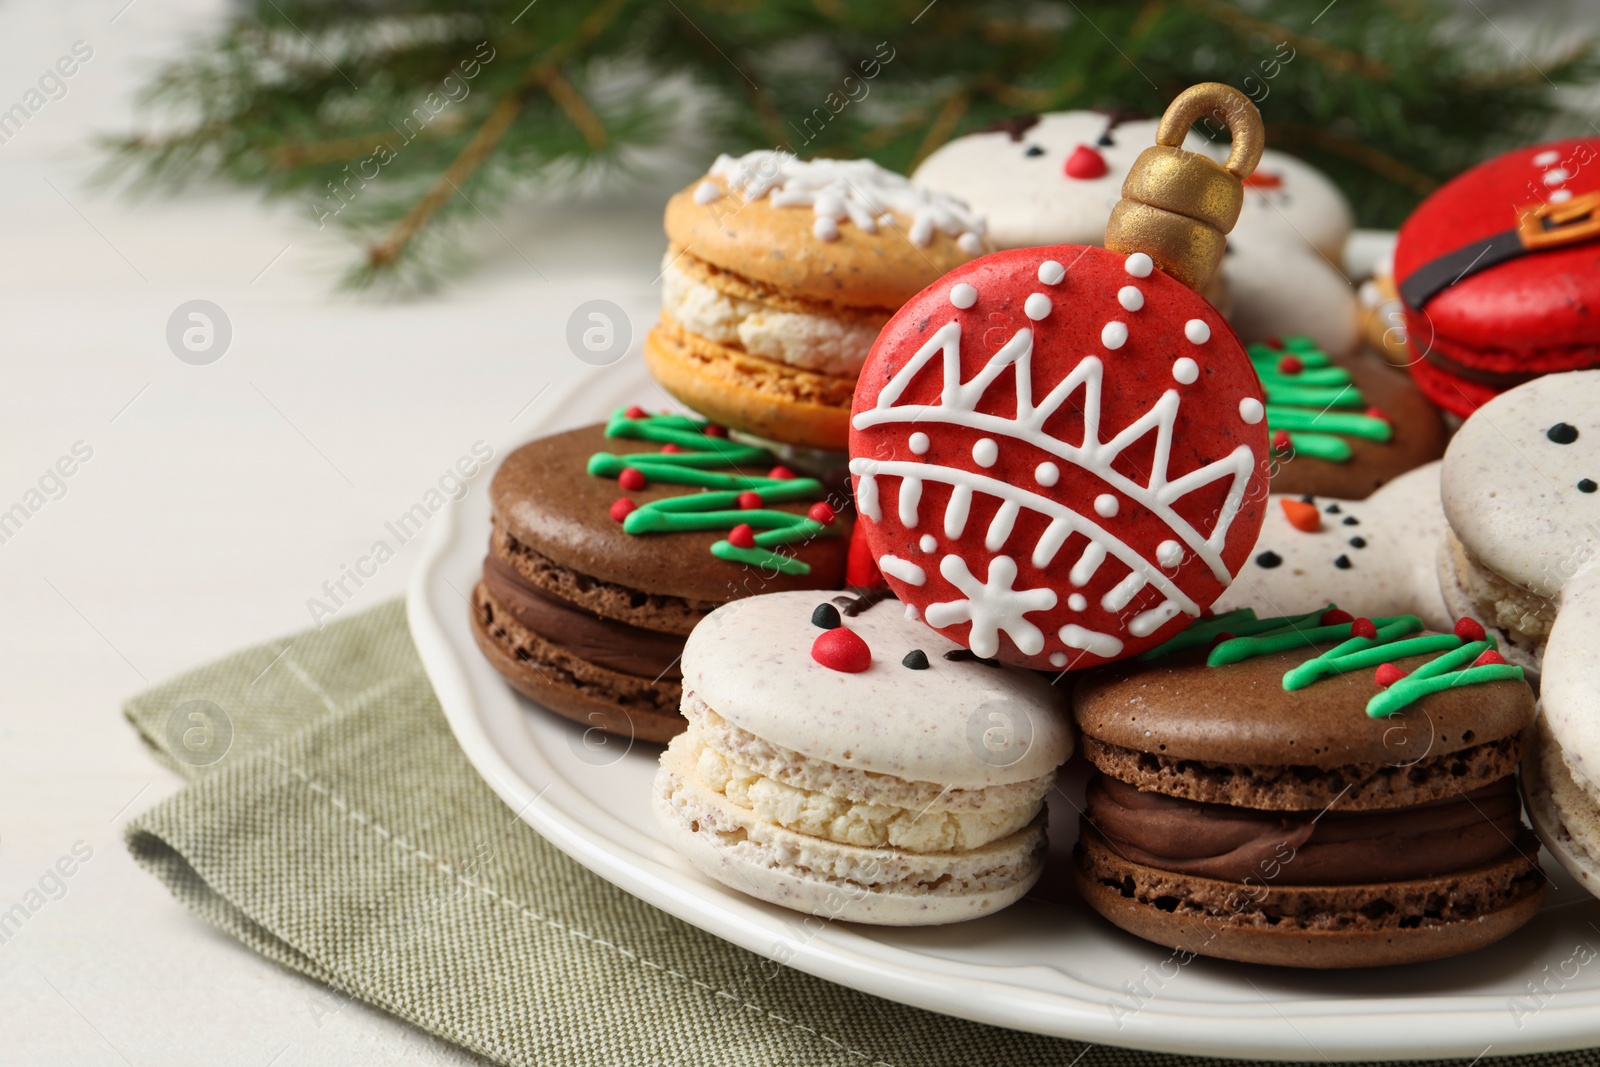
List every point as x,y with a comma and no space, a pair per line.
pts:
611,542
1309,791
846,761
779,273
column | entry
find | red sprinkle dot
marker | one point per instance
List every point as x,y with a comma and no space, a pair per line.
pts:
713,430
1376,413
1084,162
821,512
839,649
637,412
621,508
742,536
1469,629
748,500
780,472
1387,674
671,448
1302,516
1488,659
1290,365
1223,636
632,479
1275,342
1363,628
1335,617
1280,441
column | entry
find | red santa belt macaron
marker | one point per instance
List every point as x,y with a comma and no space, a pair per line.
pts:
1499,271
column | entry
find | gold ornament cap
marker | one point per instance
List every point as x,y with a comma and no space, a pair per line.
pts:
1178,206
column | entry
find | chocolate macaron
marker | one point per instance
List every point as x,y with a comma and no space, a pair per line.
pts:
1311,791
611,542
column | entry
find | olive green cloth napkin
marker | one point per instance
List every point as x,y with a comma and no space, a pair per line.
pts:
335,826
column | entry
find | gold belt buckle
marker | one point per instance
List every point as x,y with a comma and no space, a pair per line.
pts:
1548,225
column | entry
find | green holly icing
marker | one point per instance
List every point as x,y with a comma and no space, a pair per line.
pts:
1313,405
712,464
1239,635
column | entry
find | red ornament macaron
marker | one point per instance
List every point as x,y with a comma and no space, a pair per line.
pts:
1059,465
1499,272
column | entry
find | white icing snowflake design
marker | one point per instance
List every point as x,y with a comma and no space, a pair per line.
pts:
857,190
992,606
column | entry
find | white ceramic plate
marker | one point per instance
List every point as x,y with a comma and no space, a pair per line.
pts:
1048,964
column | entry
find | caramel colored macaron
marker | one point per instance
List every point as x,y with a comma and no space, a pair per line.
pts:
1311,791
778,276
611,542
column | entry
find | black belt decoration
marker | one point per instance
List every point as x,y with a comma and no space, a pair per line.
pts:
1541,227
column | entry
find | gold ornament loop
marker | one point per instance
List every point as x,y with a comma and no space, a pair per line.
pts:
1237,111
1177,206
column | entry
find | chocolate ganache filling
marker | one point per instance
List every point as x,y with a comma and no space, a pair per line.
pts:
1235,844
604,642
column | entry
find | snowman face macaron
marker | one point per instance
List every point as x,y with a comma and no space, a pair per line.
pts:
1051,180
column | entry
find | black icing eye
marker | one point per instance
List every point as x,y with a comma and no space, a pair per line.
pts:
1562,433
1351,520
1033,150
1343,563
1332,509
1308,499
1587,486
1358,542
1105,140
1268,560
826,616
916,660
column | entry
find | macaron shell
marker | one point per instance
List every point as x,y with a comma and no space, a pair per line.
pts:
1030,199
877,886
959,723
999,496
1511,493
1280,288
776,246
546,498
1394,570
1418,437
1288,201
1564,814
1180,708
1542,299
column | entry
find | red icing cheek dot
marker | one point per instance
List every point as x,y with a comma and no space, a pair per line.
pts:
1363,628
821,512
748,500
1085,163
841,650
1387,674
621,509
1261,179
1489,658
742,536
1335,617
632,479
1302,516
1469,629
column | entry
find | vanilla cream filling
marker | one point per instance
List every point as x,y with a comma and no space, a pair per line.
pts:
849,822
811,342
